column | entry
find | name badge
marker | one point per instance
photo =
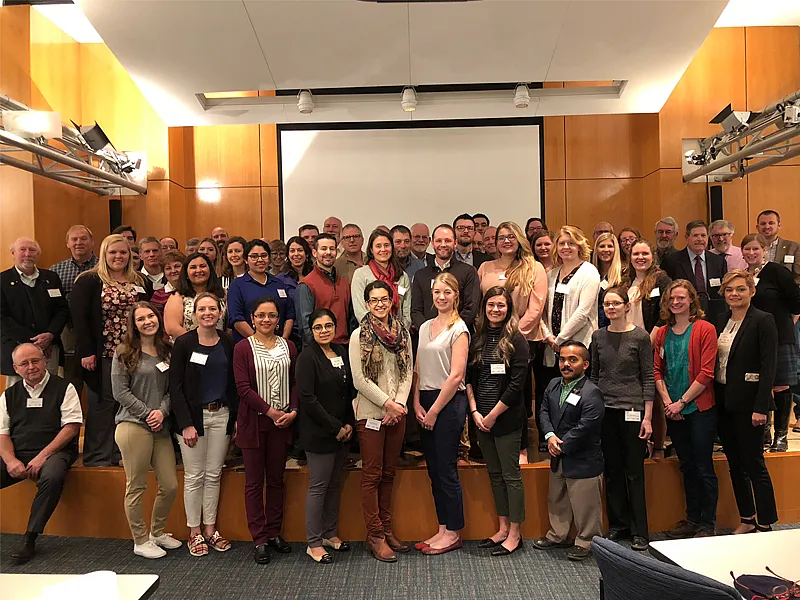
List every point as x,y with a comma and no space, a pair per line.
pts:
714,282
661,352
56,293
198,358
337,361
498,369
138,289
788,259
163,366
755,280
655,293
502,277
35,402
562,288
282,294
373,424
752,377
573,399
401,290
633,416
604,284
432,283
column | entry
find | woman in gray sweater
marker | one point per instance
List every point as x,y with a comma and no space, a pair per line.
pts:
139,380
622,366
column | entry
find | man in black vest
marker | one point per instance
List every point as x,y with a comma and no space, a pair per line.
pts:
571,417
40,418
33,308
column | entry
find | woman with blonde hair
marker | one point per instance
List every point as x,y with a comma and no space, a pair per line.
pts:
101,300
525,278
608,260
440,405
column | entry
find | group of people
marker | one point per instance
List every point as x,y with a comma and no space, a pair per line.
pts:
500,341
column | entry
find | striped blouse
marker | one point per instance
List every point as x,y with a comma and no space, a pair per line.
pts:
272,372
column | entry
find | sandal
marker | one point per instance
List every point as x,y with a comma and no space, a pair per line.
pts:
219,543
197,545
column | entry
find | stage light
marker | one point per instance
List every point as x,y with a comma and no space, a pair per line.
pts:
409,101
305,102
208,191
522,96
32,124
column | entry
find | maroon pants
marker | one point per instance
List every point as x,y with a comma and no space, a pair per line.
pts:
380,451
268,461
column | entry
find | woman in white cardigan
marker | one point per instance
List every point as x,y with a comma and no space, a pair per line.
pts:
573,285
382,265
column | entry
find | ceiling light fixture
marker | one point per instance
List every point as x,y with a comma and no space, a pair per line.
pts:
522,96
305,102
32,124
409,101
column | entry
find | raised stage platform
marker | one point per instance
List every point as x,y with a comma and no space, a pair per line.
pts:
92,504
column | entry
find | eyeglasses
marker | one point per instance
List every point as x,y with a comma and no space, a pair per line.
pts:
377,301
506,238
611,304
465,228
263,316
352,238
721,235
321,328
263,256
279,253
28,363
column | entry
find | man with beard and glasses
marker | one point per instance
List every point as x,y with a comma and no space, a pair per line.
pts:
401,239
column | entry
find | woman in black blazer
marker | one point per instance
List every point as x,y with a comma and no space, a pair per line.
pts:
326,427
496,374
100,302
777,294
205,402
745,371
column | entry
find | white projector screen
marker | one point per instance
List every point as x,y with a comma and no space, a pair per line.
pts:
404,176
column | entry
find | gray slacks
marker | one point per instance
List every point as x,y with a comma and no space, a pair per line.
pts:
322,496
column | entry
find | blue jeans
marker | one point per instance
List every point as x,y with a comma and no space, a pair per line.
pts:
441,456
693,438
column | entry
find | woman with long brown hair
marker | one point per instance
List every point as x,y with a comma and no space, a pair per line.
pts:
198,276
234,262
140,383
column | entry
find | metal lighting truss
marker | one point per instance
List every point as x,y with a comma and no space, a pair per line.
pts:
75,163
765,140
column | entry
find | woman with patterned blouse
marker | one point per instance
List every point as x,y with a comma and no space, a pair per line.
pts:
197,276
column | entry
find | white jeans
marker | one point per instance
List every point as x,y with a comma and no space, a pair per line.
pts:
202,468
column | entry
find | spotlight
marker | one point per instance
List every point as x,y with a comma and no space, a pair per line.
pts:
409,101
94,136
522,96
305,102
32,124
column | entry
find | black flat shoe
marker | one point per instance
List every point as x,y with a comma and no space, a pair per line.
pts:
261,554
503,551
279,544
338,546
325,559
489,543
617,535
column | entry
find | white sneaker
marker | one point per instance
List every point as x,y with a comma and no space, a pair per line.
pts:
165,540
148,550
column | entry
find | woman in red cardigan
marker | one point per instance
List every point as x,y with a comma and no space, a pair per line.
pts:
685,357
263,366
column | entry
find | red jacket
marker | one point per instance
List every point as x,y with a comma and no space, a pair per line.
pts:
702,359
335,298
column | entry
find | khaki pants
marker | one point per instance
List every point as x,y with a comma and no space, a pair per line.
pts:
578,499
140,450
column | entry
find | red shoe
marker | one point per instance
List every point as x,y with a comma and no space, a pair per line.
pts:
454,546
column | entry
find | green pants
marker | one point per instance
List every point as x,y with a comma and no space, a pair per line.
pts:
501,454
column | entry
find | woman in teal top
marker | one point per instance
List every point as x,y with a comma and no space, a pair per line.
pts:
676,353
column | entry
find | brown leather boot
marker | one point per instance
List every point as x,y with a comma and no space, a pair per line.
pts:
396,543
380,549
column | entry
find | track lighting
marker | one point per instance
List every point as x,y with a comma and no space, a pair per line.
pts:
409,101
305,102
522,96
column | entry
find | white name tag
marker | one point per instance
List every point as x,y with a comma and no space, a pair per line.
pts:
162,366
755,280
498,369
752,377
138,289
198,358
282,293
789,259
573,399
562,288
432,283
401,290
502,277
35,402
373,424
655,293
337,361
661,352
633,416
714,282
604,284
56,293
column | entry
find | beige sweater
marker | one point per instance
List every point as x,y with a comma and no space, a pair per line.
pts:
371,397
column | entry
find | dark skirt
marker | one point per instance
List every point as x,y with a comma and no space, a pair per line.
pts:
786,368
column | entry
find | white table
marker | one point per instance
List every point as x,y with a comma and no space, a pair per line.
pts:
748,554
27,587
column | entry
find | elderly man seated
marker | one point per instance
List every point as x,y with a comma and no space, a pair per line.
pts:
40,418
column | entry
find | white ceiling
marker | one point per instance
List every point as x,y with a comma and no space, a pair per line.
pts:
175,49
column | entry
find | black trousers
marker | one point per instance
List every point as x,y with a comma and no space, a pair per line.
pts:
99,447
50,483
743,445
623,451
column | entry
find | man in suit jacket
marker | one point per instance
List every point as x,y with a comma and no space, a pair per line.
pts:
779,250
571,417
464,226
703,268
32,308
